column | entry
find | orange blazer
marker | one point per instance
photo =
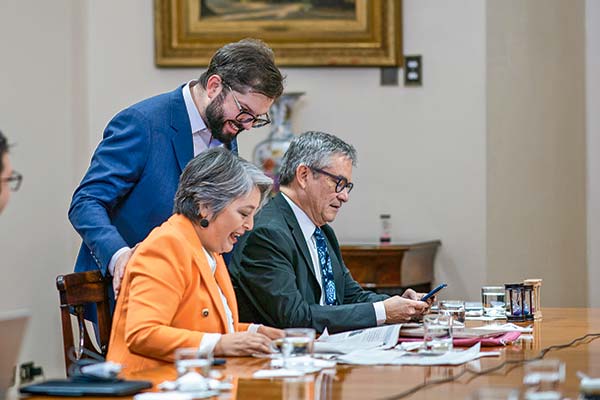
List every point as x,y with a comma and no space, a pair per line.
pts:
169,298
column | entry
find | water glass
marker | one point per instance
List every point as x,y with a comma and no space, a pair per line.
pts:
437,333
190,359
297,348
455,309
543,378
492,298
495,393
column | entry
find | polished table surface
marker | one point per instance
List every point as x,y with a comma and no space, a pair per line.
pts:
559,326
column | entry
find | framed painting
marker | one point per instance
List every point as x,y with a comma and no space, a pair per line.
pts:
300,32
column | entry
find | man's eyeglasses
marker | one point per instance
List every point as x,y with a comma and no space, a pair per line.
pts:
14,181
341,182
245,116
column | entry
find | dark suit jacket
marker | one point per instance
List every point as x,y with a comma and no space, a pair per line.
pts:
129,187
275,282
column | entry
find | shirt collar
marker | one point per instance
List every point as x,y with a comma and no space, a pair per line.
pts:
196,121
306,225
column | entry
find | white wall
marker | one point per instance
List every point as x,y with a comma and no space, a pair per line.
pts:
536,146
592,23
37,109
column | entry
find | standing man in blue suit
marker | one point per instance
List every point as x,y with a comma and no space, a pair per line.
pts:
129,187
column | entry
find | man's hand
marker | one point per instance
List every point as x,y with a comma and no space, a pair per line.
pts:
271,333
400,309
412,295
119,271
242,344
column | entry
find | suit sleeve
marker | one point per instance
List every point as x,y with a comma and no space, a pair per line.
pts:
157,282
267,274
115,168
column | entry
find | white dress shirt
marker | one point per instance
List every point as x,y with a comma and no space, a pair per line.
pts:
210,340
308,229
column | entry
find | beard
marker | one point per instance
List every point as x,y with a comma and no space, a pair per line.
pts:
216,121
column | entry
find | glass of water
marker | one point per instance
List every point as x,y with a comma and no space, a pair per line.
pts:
189,359
492,298
297,348
437,335
543,378
456,309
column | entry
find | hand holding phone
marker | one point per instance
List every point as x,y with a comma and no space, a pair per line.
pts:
433,292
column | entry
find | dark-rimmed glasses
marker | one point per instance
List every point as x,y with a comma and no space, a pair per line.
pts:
341,182
244,116
14,181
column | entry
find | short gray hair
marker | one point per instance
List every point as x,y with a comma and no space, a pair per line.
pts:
313,149
214,179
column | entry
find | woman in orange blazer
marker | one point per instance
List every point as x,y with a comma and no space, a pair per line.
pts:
176,291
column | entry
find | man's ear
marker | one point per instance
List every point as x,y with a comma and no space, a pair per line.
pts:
302,175
214,86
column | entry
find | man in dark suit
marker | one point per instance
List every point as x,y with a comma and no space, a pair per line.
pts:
288,271
129,187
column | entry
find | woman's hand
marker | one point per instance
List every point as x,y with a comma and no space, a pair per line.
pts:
271,333
242,344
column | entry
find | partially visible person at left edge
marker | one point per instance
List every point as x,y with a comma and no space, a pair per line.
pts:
129,187
10,180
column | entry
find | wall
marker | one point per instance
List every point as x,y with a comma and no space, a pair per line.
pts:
38,112
536,190
592,23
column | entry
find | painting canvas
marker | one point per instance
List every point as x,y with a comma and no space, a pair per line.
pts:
301,32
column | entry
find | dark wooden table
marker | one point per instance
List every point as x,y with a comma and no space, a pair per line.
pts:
392,268
559,326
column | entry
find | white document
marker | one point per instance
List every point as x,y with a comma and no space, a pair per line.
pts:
399,357
381,337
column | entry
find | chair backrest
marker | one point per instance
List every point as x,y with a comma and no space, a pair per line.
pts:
78,291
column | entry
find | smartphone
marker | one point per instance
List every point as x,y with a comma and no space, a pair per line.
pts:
219,361
434,291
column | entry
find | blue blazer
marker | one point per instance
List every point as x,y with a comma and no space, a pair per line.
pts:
129,187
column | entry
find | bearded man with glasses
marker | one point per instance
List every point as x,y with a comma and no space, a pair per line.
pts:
129,187
288,271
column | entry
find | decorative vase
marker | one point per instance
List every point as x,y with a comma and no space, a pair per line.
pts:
268,153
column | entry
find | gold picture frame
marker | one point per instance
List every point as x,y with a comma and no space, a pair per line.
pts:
369,33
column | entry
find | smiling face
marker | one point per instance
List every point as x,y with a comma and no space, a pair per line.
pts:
235,219
321,202
222,110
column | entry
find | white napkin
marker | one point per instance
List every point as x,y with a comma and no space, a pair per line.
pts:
316,364
277,373
509,327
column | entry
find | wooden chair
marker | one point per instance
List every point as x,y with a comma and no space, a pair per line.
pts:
77,291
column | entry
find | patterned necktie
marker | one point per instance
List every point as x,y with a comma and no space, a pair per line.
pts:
326,269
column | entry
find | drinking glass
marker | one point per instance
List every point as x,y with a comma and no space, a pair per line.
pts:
455,309
190,359
297,348
492,298
543,378
495,393
437,333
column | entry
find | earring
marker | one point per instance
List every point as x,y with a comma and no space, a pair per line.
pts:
204,223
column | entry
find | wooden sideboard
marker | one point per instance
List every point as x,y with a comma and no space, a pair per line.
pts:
392,268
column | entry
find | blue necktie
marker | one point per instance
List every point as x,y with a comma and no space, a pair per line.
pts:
326,269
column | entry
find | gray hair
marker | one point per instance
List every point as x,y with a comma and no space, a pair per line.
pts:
214,179
313,149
